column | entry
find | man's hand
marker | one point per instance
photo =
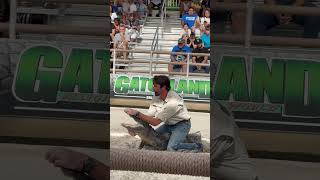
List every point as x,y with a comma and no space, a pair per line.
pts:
65,158
131,112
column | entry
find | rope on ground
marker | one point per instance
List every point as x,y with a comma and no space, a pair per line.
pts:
194,164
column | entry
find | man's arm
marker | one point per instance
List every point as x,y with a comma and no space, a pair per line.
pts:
148,119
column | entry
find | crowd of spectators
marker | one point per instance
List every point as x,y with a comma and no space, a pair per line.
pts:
194,37
125,17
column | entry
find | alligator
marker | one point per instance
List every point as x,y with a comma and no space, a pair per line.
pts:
153,139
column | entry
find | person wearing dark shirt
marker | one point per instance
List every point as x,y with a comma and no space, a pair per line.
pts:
262,22
200,59
181,59
191,41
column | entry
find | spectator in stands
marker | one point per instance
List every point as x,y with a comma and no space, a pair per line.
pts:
141,9
191,41
132,22
125,8
132,8
118,7
185,30
205,4
200,59
121,41
206,38
181,59
185,37
133,27
196,4
184,7
189,18
115,28
205,17
196,29
153,4
113,15
262,22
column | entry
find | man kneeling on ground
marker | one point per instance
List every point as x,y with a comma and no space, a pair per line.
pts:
167,107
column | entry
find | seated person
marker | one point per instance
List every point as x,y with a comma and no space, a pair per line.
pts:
262,22
153,4
182,59
199,59
132,22
205,4
196,29
133,27
185,30
189,18
205,37
121,41
141,9
191,41
184,7
115,28
125,8
132,8
205,17
196,4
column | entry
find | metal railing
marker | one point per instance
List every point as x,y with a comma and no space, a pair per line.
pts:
248,39
151,72
163,12
13,28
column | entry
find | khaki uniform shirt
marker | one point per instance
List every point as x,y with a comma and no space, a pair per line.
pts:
170,111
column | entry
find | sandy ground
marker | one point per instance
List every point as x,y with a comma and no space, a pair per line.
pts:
121,139
267,169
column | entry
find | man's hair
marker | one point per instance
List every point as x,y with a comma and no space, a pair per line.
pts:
162,81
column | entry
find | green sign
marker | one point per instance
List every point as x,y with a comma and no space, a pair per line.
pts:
142,85
46,74
291,83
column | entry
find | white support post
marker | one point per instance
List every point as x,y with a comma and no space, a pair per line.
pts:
188,58
150,64
114,62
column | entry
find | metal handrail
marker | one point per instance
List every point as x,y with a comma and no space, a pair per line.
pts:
160,52
14,28
163,11
150,72
53,29
155,40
